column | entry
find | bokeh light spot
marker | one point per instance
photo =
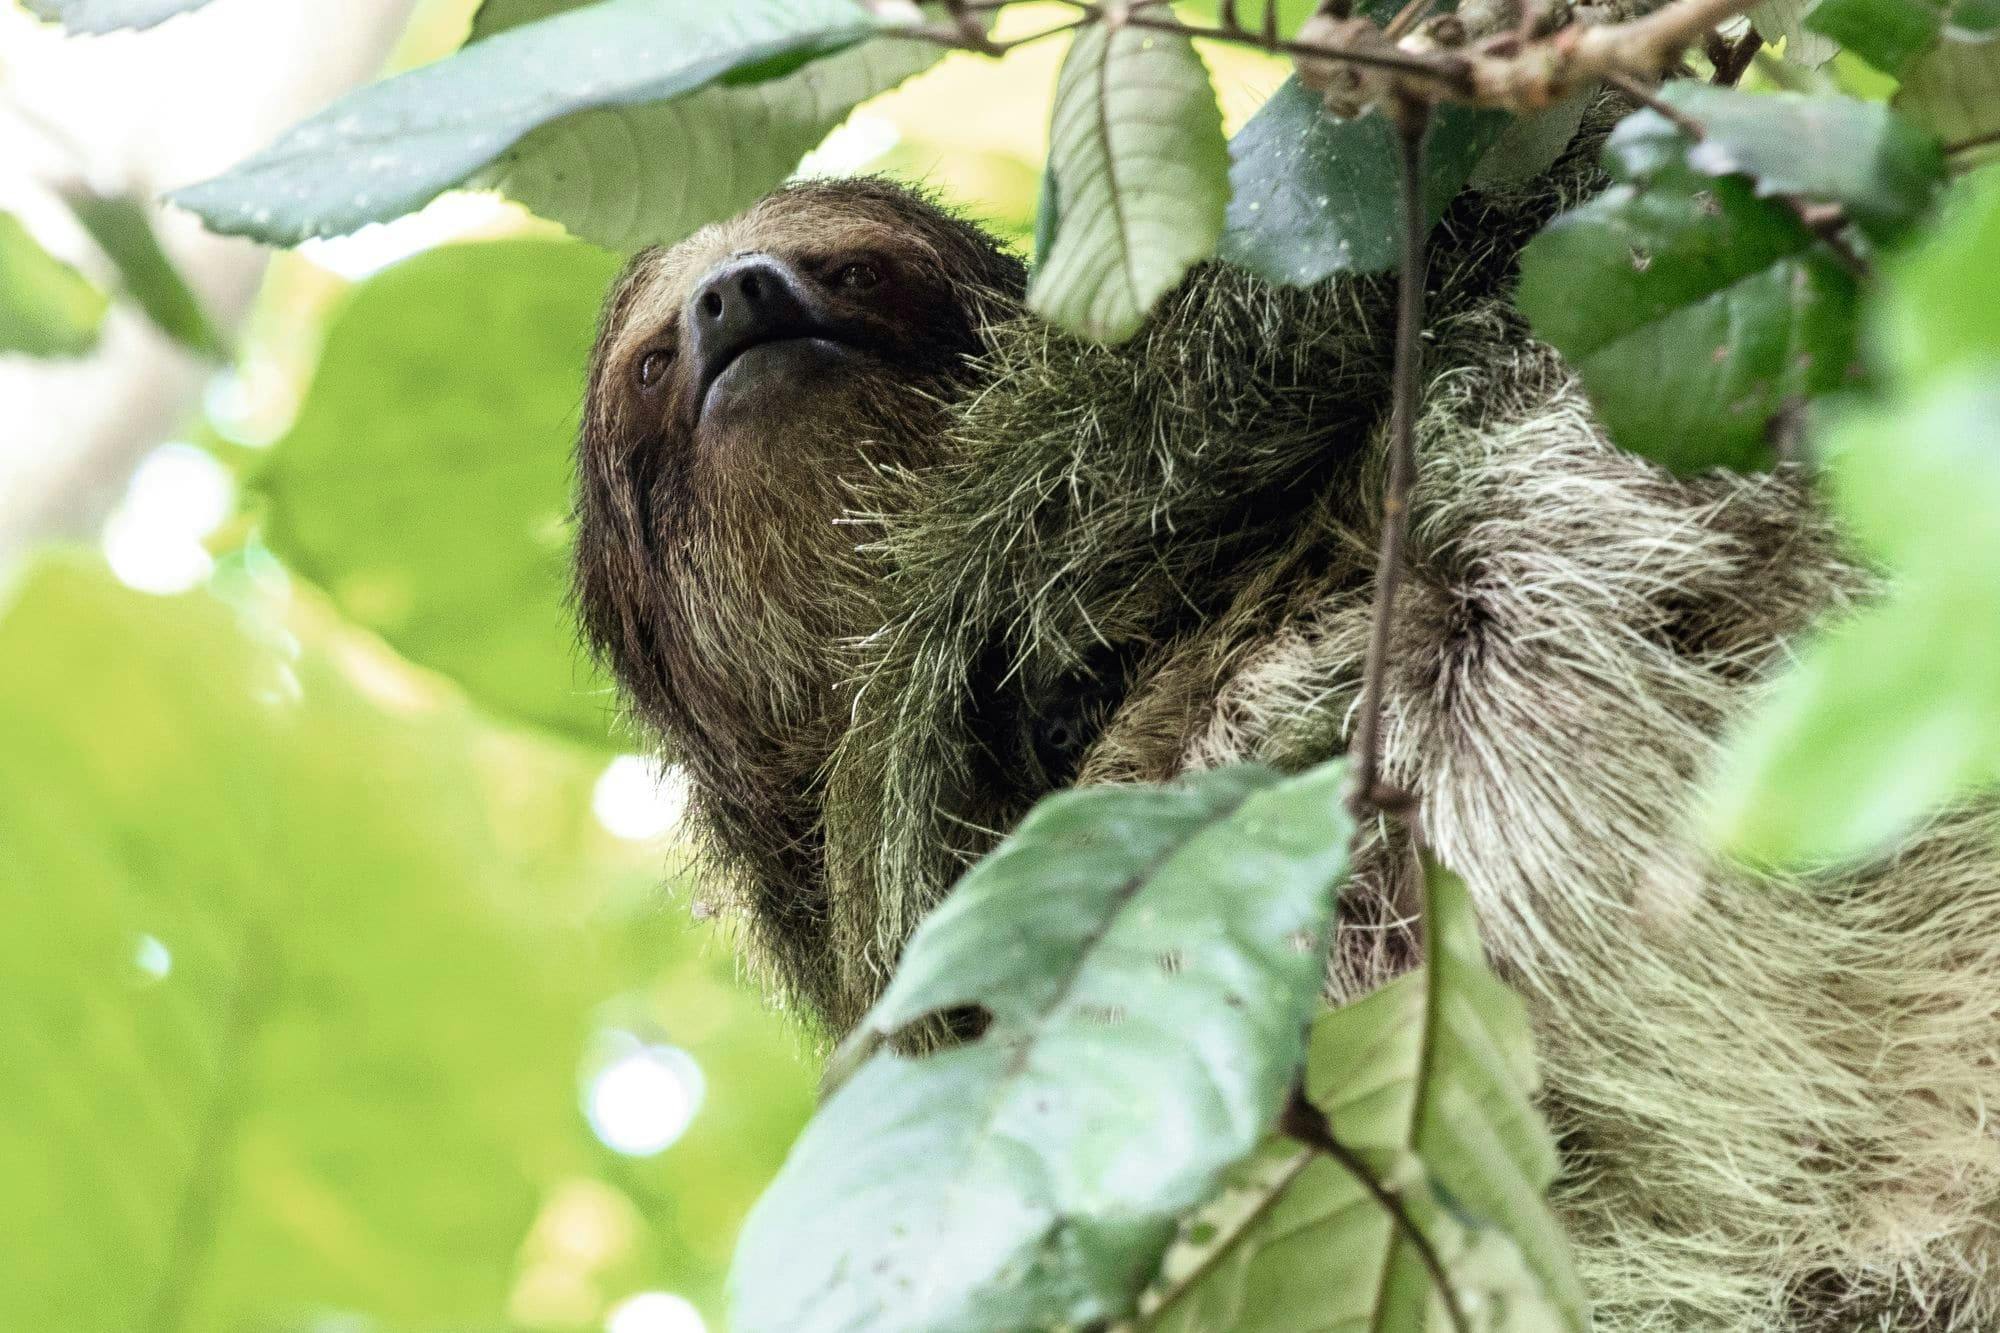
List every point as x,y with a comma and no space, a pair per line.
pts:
638,799
655,1312
640,1097
153,959
178,495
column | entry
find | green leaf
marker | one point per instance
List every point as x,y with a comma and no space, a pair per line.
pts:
1840,150
123,229
1954,90
1147,958
1311,196
1530,144
1694,311
92,16
1898,708
1790,21
622,176
425,483
1941,310
47,308
1138,159
1973,20
1426,1084
1888,34
499,15
301,987
389,148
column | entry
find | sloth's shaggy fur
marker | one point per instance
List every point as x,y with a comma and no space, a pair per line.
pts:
1123,564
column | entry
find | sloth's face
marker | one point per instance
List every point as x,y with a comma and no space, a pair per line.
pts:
748,386
821,312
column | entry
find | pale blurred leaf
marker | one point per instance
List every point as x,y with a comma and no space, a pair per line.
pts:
47,308
425,483
390,147
93,16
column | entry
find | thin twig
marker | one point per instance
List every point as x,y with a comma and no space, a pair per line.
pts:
1826,221
1731,59
956,39
1445,70
1409,16
1369,791
1973,144
1307,1124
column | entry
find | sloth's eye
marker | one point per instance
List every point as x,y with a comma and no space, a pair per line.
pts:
857,277
653,367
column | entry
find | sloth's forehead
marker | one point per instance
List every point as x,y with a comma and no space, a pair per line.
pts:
780,225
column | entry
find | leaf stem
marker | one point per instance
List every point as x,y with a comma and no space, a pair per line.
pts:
1306,1123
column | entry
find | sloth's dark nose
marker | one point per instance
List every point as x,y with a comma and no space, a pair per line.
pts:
742,302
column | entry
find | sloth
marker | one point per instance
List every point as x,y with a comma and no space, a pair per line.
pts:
882,558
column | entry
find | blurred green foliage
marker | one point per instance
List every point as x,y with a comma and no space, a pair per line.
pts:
425,483
47,308
306,971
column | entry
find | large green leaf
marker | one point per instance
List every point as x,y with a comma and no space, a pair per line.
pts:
90,16
1840,150
123,229
635,176
47,308
1426,1085
1940,313
1694,311
1312,196
1954,90
1790,21
1898,708
1138,160
1147,959
499,15
1888,34
425,483
632,176
303,965
382,151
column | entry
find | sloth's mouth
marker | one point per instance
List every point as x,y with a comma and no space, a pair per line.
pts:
783,360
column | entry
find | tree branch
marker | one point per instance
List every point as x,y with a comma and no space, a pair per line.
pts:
1416,59
1972,145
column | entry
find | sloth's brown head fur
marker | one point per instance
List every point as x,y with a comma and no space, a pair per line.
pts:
748,387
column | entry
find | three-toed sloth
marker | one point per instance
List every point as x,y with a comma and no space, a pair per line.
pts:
881,558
